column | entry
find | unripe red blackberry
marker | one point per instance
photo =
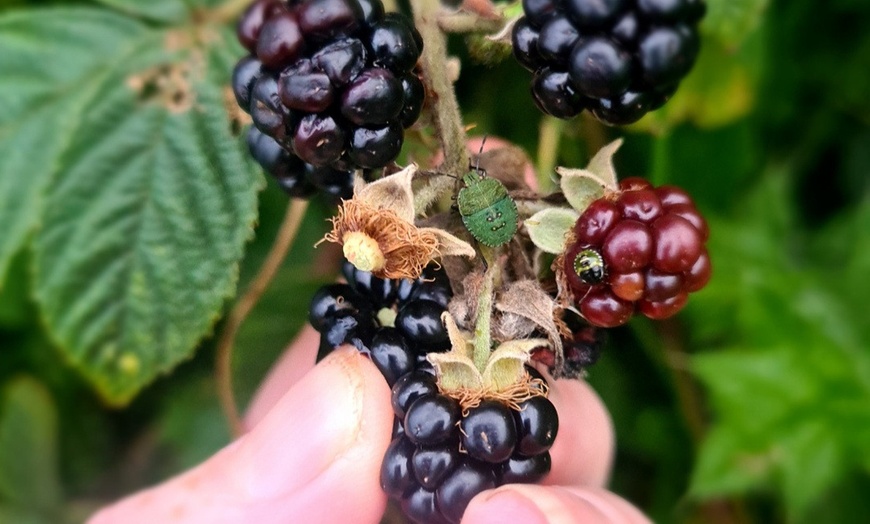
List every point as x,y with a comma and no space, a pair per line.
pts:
617,58
639,250
331,81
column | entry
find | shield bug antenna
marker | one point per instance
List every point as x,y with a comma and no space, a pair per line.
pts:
479,153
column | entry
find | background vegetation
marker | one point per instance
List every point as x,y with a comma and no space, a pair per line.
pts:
127,225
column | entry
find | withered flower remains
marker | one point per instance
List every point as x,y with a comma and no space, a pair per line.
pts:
377,232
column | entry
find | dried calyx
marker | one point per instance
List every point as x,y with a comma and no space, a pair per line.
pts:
377,232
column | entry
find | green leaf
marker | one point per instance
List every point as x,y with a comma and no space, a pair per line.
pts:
50,62
192,424
790,392
29,477
730,21
151,205
14,515
583,186
158,10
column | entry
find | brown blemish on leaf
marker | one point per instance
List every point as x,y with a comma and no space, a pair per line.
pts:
168,85
171,85
238,118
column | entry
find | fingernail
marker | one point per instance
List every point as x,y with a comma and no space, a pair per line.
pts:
505,505
313,425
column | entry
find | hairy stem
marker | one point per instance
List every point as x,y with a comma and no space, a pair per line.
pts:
223,372
442,102
548,152
469,23
482,336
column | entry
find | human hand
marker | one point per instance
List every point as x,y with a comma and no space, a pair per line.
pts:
312,452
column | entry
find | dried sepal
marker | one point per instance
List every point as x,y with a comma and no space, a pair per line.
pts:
549,228
391,192
526,299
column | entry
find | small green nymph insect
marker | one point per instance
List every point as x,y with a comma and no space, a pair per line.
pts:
589,266
487,210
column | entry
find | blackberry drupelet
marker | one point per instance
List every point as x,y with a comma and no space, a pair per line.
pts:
619,59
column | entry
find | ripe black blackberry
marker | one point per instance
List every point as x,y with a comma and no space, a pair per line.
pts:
394,322
332,82
618,59
439,459
299,179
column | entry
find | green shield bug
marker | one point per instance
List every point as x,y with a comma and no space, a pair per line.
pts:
487,210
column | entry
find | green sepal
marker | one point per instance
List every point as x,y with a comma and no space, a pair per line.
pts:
581,187
549,228
506,365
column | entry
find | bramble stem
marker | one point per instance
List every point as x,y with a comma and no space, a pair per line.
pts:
548,152
223,372
442,102
469,23
482,336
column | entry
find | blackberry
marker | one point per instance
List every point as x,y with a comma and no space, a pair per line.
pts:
619,59
649,243
395,322
296,177
439,459
331,81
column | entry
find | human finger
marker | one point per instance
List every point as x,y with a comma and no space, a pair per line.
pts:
531,504
332,426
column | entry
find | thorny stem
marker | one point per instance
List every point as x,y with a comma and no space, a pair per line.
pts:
283,242
482,336
444,107
548,152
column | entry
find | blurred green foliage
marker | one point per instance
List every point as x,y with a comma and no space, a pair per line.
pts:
753,405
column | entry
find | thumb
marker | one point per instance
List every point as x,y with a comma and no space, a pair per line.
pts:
317,452
551,505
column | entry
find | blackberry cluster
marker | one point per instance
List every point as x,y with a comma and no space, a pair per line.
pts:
355,313
617,58
332,83
640,251
440,459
